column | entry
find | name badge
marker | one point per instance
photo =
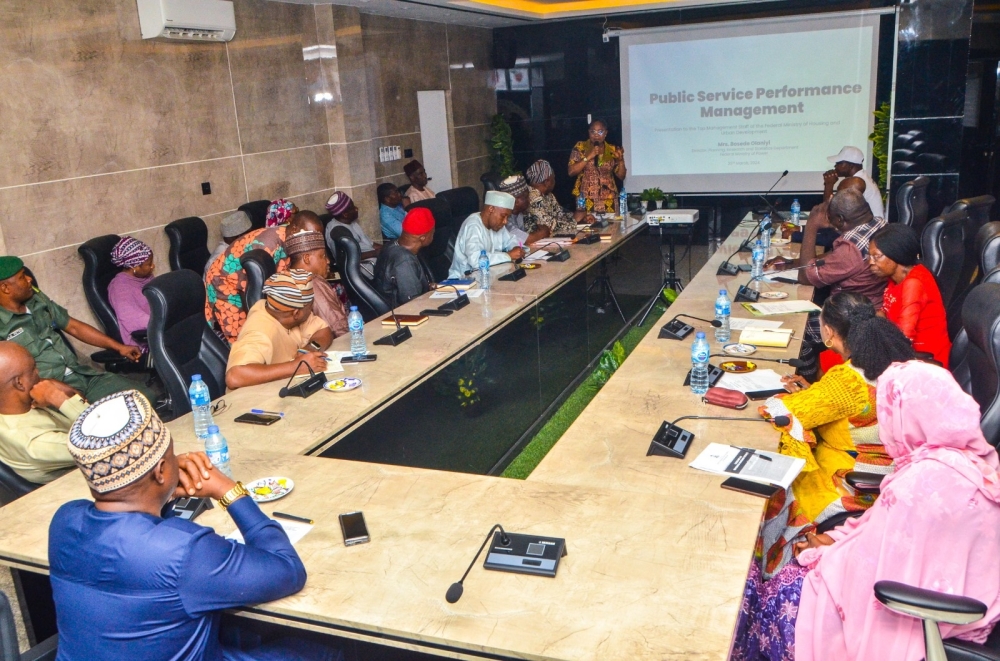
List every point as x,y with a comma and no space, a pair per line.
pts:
15,333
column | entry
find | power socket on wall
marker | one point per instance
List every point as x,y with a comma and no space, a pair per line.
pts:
389,154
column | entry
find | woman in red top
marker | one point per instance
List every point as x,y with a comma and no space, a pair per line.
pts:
912,299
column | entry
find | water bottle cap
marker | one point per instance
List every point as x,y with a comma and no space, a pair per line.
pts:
723,291
482,252
354,308
196,377
700,335
213,429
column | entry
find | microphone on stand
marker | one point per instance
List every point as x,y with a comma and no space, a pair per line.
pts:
307,387
715,322
792,362
768,202
461,300
673,441
560,256
402,333
675,329
456,589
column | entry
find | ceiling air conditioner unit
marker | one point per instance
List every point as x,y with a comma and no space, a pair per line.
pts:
188,20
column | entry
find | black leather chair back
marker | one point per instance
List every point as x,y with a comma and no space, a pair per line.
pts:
437,256
257,210
181,341
911,203
188,244
360,290
98,272
402,189
942,245
259,266
463,201
977,211
490,181
988,247
981,319
12,487
958,359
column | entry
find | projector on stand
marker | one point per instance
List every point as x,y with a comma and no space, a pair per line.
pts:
672,217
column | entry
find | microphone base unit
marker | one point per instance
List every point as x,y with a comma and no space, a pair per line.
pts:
515,275
305,389
395,338
525,554
670,441
590,238
725,268
714,374
675,329
560,256
746,295
460,302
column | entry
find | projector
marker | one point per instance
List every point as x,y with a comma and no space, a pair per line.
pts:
672,217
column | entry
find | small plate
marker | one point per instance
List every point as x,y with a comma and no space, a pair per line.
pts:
529,266
343,385
774,295
780,242
267,489
740,349
738,366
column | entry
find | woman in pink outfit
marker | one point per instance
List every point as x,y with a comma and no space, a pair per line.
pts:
935,526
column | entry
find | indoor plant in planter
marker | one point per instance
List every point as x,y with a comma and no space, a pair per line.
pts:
653,197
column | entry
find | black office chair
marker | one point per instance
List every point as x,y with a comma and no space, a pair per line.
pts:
359,289
12,485
464,202
181,341
402,189
975,354
933,607
987,257
257,210
942,245
259,266
188,244
977,211
437,256
98,272
43,651
490,181
900,167
911,203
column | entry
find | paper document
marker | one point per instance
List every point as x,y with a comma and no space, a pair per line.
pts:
756,465
766,337
562,240
752,382
295,530
538,255
742,323
448,293
780,307
333,366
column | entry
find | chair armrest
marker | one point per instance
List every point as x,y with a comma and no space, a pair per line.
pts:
866,483
139,335
929,604
105,356
43,651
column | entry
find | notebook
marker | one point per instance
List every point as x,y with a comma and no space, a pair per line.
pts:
405,320
766,337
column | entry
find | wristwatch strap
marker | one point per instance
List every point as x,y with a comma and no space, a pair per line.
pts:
234,494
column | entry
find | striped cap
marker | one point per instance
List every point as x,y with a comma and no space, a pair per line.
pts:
290,290
304,242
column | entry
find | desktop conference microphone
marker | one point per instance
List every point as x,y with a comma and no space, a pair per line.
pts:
673,441
731,269
715,322
792,362
461,300
561,256
675,329
768,274
402,333
780,420
307,387
455,591
764,196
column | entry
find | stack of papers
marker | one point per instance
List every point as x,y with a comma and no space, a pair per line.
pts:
780,307
755,381
450,293
755,465
295,530
538,255
766,337
740,323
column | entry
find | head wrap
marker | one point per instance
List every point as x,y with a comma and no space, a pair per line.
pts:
412,167
279,212
338,203
129,253
304,242
291,290
418,221
899,243
10,266
235,224
117,440
495,198
539,171
514,184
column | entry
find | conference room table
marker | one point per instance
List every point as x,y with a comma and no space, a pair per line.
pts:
657,552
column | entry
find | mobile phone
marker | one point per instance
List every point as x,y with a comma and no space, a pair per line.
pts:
764,394
364,359
258,418
352,525
750,487
434,312
746,268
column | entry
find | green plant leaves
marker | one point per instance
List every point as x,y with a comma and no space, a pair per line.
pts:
880,143
501,144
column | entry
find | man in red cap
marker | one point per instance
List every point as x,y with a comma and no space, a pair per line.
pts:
398,267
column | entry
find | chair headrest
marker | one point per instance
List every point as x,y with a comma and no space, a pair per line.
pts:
981,315
988,246
181,293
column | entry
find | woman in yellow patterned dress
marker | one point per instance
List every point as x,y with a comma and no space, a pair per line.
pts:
832,426
595,164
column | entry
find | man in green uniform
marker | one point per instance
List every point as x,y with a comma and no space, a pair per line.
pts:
31,319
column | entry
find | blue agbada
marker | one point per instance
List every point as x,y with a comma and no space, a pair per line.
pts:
133,586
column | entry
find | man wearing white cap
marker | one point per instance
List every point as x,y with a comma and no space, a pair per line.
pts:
486,231
848,164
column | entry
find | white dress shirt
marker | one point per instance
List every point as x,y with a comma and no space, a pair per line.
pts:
873,196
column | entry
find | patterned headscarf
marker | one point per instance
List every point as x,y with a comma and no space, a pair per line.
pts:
338,203
291,290
129,253
279,212
539,172
117,440
514,184
304,242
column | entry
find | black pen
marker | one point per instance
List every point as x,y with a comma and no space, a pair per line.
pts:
753,453
292,517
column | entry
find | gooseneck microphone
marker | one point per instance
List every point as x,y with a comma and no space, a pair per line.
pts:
402,333
461,300
792,362
455,591
307,387
715,322
780,420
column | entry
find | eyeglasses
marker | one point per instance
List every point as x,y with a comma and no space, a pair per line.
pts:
875,256
599,131
219,407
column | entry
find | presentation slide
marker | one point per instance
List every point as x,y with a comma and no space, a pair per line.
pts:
727,107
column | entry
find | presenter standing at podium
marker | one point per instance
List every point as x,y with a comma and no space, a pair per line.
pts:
596,164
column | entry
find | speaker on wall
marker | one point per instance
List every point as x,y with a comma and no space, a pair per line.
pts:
504,51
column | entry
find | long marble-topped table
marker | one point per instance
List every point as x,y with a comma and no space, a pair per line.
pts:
657,552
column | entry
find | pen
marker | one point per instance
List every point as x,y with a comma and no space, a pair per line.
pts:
752,452
292,517
263,412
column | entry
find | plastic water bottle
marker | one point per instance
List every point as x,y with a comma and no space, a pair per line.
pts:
759,254
356,326
765,233
217,450
622,203
699,364
581,203
484,270
722,310
796,211
201,406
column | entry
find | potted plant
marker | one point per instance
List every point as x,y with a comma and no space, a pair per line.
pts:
501,147
671,201
653,197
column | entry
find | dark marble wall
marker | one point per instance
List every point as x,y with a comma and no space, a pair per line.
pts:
582,77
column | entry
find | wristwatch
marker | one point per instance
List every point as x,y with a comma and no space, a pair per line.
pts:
234,494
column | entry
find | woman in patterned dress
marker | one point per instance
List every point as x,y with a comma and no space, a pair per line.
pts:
595,164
